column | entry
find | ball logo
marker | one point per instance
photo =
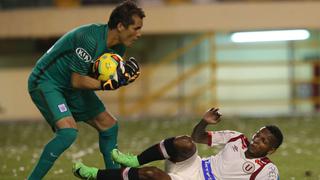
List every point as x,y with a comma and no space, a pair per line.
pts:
248,167
83,54
108,66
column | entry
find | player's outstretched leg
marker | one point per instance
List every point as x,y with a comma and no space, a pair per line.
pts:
91,173
176,149
84,172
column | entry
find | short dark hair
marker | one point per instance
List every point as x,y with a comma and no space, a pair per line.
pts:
276,132
123,14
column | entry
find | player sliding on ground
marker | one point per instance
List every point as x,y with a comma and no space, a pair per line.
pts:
239,159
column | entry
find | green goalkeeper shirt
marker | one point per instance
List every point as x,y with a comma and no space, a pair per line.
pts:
73,52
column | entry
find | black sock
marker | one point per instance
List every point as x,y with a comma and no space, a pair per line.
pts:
154,152
133,174
114,174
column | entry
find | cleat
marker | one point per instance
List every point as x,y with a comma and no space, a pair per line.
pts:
124,159
84,172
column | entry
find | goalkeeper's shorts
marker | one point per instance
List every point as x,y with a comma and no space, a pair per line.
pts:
55,103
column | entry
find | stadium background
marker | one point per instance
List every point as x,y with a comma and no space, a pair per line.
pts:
188,65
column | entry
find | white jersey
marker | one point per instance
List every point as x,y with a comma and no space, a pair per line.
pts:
231,164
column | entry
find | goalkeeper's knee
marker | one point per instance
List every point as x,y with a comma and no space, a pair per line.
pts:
67,136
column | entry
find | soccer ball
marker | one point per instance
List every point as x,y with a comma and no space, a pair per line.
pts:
105,67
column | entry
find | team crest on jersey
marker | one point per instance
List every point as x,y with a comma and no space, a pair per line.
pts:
83,54
248,167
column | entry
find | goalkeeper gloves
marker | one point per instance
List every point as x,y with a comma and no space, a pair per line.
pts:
118,80
111,84
127,72
132,70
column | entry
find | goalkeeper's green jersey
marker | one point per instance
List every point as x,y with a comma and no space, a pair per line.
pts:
73,52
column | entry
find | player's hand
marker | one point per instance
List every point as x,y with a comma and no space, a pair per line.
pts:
127,72
212,116
132,69
111,84
118,80
121,77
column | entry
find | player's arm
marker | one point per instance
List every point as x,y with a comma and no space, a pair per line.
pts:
199,133
79,81
83,50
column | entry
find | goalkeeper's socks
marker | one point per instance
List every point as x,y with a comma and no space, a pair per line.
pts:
118,174
107,142
164,150
63,139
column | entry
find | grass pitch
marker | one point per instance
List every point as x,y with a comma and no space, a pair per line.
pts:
21,144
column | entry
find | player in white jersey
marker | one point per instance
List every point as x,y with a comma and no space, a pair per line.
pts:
238,160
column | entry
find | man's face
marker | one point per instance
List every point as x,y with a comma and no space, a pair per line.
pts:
261,143
132,33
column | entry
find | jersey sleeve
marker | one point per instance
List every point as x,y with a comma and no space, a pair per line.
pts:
220,137
83,51
269,172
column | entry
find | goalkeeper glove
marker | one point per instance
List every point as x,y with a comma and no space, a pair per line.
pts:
110,84
117,81
127,72
132,70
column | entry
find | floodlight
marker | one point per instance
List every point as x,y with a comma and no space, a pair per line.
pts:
274,35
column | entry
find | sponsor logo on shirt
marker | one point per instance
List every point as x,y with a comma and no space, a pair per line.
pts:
84,55
207,171
272,175
248,167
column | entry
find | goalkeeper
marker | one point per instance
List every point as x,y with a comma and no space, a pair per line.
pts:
61,87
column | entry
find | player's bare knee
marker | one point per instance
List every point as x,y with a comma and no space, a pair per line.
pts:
103,121
152,173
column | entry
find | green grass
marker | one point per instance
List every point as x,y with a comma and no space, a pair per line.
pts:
21,143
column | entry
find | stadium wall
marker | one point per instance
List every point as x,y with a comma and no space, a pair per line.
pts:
189,18
222,84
